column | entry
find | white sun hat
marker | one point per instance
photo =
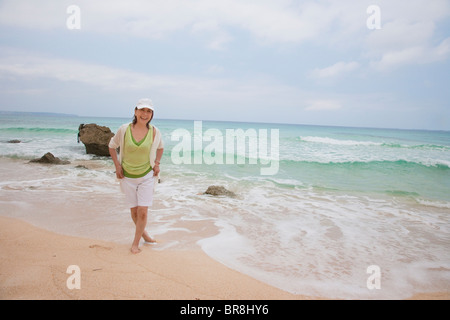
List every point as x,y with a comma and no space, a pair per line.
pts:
145,103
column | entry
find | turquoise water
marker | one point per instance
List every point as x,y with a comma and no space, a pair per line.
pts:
397,162
341,199
413,164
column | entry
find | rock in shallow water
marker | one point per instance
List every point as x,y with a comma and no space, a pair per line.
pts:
95,138
219,191
50,159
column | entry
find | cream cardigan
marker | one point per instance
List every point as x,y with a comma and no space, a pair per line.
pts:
118,141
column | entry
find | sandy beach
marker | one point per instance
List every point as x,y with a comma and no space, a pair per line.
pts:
34,264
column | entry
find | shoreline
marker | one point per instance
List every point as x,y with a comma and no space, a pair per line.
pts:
34,264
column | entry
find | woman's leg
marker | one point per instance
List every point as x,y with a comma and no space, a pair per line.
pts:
141,222
144,199
145,235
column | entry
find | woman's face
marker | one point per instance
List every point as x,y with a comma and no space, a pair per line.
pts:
143,115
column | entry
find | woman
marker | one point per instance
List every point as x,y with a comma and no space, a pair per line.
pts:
137,165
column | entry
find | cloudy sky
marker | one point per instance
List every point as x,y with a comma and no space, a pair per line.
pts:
321,62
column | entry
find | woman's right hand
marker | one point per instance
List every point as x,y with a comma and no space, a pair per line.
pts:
119,172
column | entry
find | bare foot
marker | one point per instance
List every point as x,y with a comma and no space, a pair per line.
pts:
135,250
148,239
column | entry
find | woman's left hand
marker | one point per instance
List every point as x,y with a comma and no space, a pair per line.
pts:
156,170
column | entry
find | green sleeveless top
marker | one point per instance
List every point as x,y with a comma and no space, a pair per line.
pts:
136,155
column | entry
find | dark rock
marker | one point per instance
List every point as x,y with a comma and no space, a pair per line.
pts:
14,141
219,191
50,159
95,138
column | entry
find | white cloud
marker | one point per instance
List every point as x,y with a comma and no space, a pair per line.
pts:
23,66
413,56
33,14
408,35
335,70
400,34
280,21
413,11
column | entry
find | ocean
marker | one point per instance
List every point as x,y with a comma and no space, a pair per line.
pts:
352,213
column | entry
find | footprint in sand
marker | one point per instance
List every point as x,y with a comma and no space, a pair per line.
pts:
100,247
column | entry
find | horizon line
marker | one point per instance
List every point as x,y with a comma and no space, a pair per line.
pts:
229,121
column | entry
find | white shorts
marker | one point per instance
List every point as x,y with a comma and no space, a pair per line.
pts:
138,191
